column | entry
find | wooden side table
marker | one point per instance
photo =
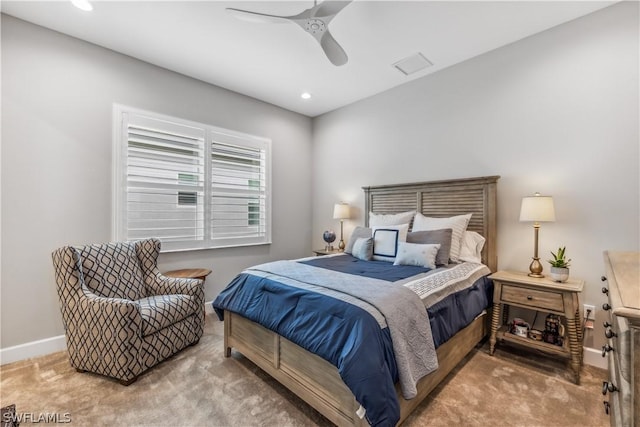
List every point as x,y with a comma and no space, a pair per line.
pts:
189,273
543,295
321,252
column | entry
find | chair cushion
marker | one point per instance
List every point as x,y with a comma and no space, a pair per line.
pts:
112,270
160,311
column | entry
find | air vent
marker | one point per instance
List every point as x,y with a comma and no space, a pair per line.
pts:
412,64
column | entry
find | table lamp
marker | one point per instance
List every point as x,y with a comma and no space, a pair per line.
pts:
538,209
341,212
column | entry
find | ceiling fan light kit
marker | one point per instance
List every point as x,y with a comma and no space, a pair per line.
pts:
314,21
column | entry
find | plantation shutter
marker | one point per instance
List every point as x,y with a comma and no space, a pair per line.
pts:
165,178
191,185
239,202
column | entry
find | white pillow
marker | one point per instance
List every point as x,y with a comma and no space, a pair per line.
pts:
422,255
376,220
471,248
458,224
386,239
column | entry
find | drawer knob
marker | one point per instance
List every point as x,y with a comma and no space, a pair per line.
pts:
603,279
606,306
605,291
606,324
606,407
605,349
609,333
608,386
529,297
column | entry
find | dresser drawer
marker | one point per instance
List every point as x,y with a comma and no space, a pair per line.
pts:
532,298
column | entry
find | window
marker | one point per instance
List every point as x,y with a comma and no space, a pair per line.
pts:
189,184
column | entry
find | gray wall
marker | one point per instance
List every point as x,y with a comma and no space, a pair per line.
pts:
555,113
57,96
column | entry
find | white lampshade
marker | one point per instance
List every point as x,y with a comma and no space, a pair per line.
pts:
341,211
537,208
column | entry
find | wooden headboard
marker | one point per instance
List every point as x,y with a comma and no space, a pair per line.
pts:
443,199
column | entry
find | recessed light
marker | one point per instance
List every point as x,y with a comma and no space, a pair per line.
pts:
82,5
305,95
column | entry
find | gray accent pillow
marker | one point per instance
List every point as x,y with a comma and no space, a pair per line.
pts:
363,248
442,237
357,233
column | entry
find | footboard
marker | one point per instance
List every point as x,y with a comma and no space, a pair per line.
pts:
318,382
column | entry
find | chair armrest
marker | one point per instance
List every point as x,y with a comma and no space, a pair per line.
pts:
163,285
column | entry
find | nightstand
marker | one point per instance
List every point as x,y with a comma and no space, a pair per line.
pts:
320,252
543,295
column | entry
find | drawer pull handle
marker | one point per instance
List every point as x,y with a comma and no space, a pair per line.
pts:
605,349
603,279
606,407
529,297
609,333
608,387
605,291
606,306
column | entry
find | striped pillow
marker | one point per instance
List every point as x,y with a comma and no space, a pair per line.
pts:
458,224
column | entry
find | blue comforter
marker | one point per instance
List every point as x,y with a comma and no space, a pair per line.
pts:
341,333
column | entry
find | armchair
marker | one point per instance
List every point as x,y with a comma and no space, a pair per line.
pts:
121,315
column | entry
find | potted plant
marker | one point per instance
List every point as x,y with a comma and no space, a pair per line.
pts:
559,265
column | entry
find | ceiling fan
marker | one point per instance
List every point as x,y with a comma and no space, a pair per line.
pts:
314,21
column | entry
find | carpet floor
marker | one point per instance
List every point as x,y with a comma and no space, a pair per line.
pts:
199,387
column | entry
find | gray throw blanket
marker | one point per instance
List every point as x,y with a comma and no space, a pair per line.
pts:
402,309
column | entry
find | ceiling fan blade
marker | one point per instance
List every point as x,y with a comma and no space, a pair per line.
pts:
330,8
246,15
333,50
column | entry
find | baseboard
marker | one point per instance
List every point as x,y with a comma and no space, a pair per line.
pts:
28,350
208,307
593,357
32,349
49,345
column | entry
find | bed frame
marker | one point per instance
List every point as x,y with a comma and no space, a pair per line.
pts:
318,382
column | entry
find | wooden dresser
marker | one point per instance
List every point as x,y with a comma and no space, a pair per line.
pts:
622,329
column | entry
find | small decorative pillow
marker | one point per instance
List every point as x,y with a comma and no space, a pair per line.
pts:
377,220
386,239
357,233
417,254
472,244
363,248
457,223
441,237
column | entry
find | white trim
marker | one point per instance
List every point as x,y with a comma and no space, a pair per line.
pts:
32,349
50,345
208,307
593,357
46,346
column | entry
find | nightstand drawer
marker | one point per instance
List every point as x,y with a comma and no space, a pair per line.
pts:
532,298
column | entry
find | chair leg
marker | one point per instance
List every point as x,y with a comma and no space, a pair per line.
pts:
128,382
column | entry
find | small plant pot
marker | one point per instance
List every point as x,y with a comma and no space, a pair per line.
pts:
559,274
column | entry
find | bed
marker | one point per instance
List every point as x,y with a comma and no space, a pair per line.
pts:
319,382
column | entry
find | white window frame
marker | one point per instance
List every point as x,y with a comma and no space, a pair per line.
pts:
211,134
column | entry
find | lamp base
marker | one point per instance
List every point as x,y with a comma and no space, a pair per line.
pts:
341,245
535,268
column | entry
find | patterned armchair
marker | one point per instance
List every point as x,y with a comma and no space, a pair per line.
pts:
121,316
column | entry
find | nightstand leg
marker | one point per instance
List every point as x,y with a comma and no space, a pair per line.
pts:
495,324
574,347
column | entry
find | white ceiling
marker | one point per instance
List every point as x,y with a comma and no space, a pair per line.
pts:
276,63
